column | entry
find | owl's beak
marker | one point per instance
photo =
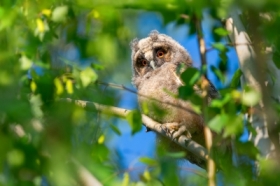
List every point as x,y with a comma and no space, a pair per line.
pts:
152,64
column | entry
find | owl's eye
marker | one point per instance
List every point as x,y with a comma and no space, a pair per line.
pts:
160,53
144,62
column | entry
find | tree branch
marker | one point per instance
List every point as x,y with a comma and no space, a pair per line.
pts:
211,170
251,64
183,141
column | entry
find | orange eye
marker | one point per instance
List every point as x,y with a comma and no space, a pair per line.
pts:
160,53
144,62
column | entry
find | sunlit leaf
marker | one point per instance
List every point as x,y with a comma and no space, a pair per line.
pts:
36,103
40,25
47,12
218,122
250,97
144,107
25,62
126,179
5,78
59,14
87,76
219,46
58,86
146,175
221,31
15,157
148,161
219,103
134,118
94,14
101,139
234,126
78,116
33,86
69,86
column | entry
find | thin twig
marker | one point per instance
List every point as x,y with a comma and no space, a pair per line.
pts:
207,132
183,141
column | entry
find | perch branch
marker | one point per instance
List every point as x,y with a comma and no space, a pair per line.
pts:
183,141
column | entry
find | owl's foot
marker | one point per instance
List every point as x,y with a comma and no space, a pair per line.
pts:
176,130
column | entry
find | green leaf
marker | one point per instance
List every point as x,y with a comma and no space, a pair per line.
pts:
247,148
219,46
26,63
126,179
236,79
185,91
148,161
218,73
221,31
87,76
176,154
250,97
234,126
15,157
219,103
190,76
134,119
218,122
115,129
146,176
59,14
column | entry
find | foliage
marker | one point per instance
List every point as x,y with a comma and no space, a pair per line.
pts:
61,48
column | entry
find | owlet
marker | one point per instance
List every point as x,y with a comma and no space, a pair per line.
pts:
155,63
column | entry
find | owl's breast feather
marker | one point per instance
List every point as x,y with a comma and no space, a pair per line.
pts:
156,94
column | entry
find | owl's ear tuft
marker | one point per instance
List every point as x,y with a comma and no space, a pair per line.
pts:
154,35
134,44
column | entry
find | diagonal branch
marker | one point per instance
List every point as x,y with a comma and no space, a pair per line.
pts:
183,141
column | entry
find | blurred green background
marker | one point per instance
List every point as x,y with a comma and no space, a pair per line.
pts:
52,49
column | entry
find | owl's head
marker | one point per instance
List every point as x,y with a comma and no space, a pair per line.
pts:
152,52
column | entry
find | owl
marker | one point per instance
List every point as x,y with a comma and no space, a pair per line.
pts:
155,63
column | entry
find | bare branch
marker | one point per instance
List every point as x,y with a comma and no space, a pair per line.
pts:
183,141
211,170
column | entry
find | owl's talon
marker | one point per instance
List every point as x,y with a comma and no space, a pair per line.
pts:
176,130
